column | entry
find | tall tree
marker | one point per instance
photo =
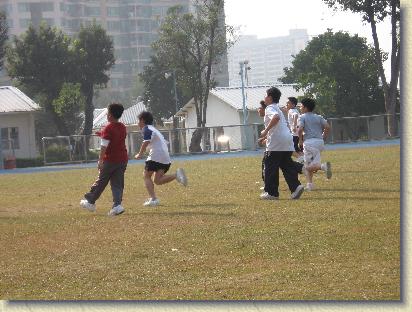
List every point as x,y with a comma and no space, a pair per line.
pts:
341,72
374,11
93,50
3,37
39,60
193,44
69,106
158,95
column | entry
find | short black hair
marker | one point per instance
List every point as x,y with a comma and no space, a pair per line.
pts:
116,110
309,103
293,100
147,117
274,93
262,104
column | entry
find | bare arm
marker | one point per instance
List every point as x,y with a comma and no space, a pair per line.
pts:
101,155
142,150
273,122
300,133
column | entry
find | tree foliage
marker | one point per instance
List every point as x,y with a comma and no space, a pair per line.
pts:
340,71
374,11
3,37
193,44
42,60
40,63
93,50
69,106
158,95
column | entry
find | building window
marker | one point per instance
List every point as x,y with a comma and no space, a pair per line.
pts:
10,138
113,11
92,11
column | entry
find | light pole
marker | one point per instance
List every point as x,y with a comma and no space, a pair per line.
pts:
243,73
173,74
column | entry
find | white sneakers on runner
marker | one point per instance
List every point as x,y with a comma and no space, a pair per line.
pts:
298,192
84,203
116,210
151,202
181,176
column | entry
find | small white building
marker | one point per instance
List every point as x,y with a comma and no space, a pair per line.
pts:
17,123
225,108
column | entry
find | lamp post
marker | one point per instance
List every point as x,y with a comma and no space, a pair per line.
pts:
173,74
243,73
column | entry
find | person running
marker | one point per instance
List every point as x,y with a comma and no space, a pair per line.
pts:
158,162
279,149
313,130
293,117
112,162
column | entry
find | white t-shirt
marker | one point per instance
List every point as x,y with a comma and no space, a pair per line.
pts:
292,114
158,145
279,137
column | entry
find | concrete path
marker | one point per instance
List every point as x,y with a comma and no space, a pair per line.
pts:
352,145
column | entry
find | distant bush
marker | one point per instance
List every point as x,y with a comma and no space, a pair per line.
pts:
29,162
57,153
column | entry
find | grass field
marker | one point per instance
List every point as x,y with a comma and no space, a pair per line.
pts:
214,240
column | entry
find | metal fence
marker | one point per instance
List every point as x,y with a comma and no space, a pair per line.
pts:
79,148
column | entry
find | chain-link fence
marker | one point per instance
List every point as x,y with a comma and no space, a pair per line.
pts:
79,148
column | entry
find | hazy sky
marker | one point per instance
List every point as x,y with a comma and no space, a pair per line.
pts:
272,18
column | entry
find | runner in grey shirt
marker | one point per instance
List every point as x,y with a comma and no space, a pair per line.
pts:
313,129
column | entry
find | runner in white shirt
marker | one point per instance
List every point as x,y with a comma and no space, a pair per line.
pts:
158,162
293,116
279,148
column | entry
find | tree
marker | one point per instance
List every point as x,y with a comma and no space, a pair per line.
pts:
69,105
340,71
39,61
374,11
158,94
3,37
192,44
93,50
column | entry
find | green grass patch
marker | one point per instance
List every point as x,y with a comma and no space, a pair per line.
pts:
214,240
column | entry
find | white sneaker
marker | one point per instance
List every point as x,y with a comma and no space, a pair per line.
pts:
262,188
116,210
309,187
151,202
267,196
297,193
84,203
181,176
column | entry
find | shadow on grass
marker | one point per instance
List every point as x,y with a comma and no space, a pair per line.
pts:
357,190
189,213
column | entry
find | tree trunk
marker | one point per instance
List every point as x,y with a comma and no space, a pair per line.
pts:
87,91
194,146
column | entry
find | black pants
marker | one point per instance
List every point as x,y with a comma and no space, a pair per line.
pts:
283,160
298,166
113,172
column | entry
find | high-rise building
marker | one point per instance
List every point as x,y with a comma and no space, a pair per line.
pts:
133,25
266,57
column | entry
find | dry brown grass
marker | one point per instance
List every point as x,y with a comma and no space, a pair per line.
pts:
214,240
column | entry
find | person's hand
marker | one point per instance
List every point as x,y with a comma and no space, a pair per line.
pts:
137,156
263,133
100,164
300,143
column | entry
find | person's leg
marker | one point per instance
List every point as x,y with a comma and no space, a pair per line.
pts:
263,168
117,183
147,177
272,161
161,178
100,184
289,171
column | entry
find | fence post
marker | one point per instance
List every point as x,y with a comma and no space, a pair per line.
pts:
1,155
44,150
331,132
86,158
